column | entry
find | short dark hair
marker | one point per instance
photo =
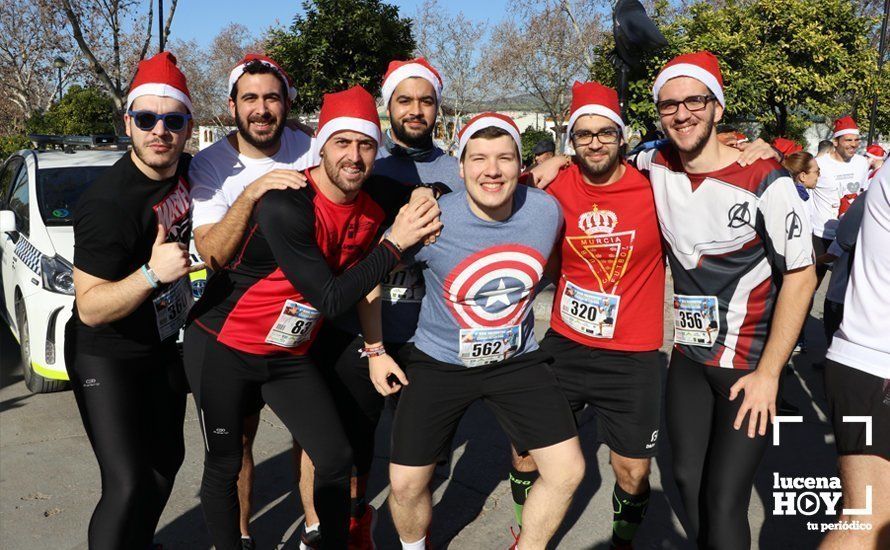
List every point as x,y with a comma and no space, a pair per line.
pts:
825,146
490,132
258,67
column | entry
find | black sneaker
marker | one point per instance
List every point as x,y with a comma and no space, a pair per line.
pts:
247,543
310,540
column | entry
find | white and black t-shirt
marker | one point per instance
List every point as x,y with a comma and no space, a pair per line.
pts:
219,173
861,342
836,180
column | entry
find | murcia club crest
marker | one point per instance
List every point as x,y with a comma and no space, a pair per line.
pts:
605,251
492,288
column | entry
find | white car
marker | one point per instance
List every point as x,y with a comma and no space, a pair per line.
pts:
38,195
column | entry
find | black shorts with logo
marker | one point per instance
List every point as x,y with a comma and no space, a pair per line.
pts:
624,388
852,392
522,392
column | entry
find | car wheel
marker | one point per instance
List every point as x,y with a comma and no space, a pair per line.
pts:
34,382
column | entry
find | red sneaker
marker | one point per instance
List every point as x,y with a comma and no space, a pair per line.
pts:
361,530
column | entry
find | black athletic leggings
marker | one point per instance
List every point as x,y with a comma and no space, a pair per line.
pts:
132,410
714,464
225,384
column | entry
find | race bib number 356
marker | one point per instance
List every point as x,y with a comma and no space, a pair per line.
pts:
294,326
589,313
696,320
484,346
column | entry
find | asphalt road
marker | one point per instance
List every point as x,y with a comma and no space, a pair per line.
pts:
49,479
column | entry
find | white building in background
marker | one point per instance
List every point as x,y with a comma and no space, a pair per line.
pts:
208,135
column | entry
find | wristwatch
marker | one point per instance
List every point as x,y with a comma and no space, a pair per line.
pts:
437,187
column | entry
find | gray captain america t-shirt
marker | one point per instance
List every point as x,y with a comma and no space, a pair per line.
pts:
402,291
482,277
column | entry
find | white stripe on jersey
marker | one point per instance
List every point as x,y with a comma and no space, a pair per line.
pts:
738,309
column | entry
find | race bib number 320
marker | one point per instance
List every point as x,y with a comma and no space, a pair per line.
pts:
294,326
484,346
696,320
589,313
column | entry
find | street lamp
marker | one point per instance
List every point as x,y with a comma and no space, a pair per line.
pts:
59,64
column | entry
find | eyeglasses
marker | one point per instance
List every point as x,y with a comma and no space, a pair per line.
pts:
692,103
146,120
609,136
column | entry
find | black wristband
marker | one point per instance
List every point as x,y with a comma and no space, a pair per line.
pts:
437,187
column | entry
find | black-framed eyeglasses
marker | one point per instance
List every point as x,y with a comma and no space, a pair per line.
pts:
692,103
146,120
609,136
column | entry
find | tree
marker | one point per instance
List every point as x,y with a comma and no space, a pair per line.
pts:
336,44
112,52
82,111
541,50
784,62
530,137
207,70
31,36
452,44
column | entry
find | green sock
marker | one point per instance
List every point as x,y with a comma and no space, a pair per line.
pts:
520,485
629,511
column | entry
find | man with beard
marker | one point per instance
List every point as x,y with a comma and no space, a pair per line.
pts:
737,242
607,318
132,292
231,176
411,91
309,254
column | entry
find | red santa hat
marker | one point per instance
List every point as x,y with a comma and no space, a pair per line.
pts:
353,109
702,66
592,98
487,120
741,138
875,151
400,70
786,146
238,70
160,76
845,126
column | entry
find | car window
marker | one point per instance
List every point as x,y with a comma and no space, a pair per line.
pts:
59,189
7,177
18,202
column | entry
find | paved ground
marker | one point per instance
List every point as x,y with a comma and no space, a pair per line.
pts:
49,480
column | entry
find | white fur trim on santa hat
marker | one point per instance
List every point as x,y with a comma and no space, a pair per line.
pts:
485,122
341,124
408,71
692,71
592,109
846,132
158,89
239,70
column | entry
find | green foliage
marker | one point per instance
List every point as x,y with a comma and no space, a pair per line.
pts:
530,137
784,62
340,43
82,111
11,143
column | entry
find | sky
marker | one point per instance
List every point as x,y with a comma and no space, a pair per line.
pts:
202,19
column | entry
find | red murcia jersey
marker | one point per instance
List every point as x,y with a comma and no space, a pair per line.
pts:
611,288
730,235
254,305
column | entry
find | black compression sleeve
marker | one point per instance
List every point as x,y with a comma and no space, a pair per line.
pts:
287,220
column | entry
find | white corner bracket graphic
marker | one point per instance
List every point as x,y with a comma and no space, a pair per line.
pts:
864,419
777,420
861,511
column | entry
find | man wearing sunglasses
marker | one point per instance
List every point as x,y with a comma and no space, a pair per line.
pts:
228,180
607,320
737,239
131,266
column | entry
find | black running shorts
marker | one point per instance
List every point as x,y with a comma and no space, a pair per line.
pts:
624,388
522,392
852,392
